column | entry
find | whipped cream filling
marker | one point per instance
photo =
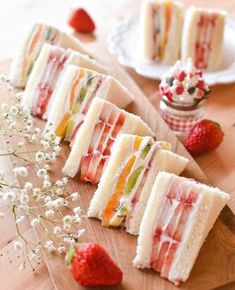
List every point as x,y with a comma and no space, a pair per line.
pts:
180,203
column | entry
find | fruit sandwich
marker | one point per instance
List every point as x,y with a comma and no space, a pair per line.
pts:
93,143
160,31
203,37
74,95
179,214
31,46
126,183
48,68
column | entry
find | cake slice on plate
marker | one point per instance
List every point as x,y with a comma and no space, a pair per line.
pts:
179,215
202,38
126,183
27,53
160,30
48,68
75,92
103,122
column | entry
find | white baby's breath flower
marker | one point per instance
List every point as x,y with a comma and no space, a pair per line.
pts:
18,246
21,171
59,183
49,246
46,184
67,227
47,199
49,213
57,149
77,210
24,198
57,230
74,196
45,145
35,222
39,156
77,219
28,185
36,191
2,215
41,172
65,180
61,249
67,219
36,131
59,191
14,110
57,140
59,202
9,196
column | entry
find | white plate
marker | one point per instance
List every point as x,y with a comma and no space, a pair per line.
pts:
123,43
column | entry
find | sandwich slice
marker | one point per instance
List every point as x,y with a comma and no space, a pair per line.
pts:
48,69
31,46
202,38
74,94
126,183
92,146
160,30
178,217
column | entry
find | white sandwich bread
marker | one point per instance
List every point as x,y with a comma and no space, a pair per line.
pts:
47,71
74,94
202,39
160,30
178,217
94,140
126,183
28,51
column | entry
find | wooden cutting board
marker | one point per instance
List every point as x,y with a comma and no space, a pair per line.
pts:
215,264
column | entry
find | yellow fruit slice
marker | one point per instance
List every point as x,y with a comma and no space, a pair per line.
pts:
61,129
74,88
118,192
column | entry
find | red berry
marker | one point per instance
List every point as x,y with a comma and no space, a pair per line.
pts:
81,21
200,93
200,84
179,90
91,266
204,137
181,75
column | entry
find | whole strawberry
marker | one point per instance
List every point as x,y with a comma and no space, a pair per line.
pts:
204,137
91,266
81,21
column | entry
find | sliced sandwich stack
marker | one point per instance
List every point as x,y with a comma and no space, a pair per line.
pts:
126,183
73,97
48,69
94,140
178,217
167,33
31,46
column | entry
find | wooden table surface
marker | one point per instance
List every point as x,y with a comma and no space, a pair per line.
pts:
218,165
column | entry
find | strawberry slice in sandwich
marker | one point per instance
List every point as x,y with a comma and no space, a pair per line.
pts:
202,37
178,217
48,69
126,183
31,45
93,143
73,97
